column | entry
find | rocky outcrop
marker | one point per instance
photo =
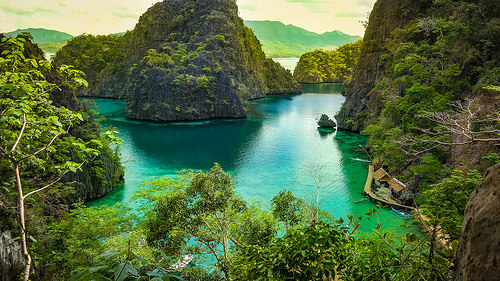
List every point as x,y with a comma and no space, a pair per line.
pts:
11,257
191,60
479,250
196,60
386,16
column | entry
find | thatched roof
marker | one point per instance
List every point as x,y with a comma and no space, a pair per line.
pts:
396,185
380,174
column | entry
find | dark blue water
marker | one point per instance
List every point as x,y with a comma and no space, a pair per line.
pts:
273,149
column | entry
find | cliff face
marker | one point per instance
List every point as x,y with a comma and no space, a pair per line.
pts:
196,60
11,257
189,60
386,16
479,251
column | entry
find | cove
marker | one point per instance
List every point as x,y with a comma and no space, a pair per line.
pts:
269,151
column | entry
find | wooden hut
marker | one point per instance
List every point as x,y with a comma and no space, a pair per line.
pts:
381,178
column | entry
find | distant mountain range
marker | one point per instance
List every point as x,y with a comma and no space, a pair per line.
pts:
280,40
41,35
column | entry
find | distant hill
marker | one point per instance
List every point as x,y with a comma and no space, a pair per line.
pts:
280,40
42,35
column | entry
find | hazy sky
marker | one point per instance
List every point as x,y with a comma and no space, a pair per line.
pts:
110,16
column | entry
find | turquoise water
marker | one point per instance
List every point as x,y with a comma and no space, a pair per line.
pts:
269,151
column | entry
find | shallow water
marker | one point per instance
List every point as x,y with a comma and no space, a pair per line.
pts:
269,151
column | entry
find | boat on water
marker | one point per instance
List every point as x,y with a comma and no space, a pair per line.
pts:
362,160
361,200
400,213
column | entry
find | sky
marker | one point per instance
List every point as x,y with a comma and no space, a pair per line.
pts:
111,16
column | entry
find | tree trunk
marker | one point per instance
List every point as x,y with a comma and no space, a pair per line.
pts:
22,222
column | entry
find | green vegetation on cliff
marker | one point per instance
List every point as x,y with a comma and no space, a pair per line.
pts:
51,150
426,92
184,60
93,53
323,66
281,41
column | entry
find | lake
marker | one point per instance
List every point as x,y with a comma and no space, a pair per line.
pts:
271,150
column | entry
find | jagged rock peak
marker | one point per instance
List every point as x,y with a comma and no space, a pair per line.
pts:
192,60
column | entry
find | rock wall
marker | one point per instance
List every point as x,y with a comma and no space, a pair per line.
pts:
386,16
11,258
479,250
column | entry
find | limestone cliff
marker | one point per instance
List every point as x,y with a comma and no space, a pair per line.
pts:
190,60
386,16
479,250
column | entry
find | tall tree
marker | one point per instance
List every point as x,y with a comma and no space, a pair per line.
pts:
203,215
34,132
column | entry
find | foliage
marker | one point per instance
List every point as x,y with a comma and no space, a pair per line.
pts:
430,100
330,251
90,54
288,208
307,253
202,215
328,66
445,201
123,266
35,138
73,242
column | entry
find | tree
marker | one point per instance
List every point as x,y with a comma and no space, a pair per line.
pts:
470,123
322,181
288,208
445,201
201,214
33,132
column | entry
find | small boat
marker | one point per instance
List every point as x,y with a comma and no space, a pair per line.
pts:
361,200
362,160
401,213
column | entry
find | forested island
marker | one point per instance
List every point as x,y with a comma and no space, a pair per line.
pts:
424,88
183,61
328,66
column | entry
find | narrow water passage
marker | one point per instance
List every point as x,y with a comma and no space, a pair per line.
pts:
272,149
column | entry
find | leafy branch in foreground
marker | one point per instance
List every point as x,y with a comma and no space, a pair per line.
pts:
34,132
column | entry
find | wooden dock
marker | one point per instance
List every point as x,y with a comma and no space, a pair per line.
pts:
441,238
368,190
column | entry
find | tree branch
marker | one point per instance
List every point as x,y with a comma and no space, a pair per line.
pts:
20,134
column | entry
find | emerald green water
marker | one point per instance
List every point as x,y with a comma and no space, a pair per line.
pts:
265,153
